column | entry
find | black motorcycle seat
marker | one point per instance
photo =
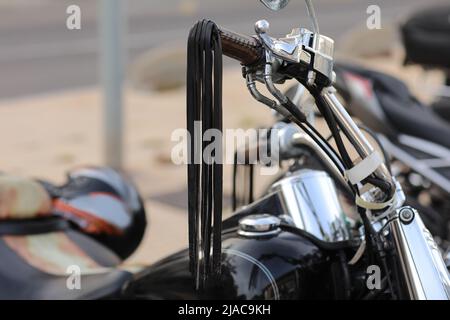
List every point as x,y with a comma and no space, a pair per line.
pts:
21,280
426,37
404,112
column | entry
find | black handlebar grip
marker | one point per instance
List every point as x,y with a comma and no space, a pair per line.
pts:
247,50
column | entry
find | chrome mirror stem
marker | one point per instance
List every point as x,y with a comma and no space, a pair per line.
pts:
315,22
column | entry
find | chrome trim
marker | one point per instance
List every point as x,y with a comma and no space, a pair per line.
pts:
424,270
310,198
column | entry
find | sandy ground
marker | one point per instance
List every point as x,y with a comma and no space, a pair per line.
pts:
46,136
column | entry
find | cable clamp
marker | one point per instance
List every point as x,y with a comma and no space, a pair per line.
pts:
360,202
364,168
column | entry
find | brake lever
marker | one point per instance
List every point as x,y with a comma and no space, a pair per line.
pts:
301,47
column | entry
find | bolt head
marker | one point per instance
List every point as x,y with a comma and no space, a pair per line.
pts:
406,215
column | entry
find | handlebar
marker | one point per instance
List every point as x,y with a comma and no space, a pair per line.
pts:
250,51
247,50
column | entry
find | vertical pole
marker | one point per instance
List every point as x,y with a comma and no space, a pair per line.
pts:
112,23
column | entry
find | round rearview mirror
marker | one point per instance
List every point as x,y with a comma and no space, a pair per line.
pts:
275,5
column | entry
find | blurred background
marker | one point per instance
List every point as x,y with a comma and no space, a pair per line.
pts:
52,96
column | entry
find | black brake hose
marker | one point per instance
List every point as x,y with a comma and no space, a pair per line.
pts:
370,179
375,293
327,144
346,274
333,126
372,238
374,245
301,121
318,139
323,245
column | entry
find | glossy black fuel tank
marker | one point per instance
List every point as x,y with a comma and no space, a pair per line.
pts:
281,266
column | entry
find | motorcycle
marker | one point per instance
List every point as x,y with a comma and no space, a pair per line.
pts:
68,241
296,241
413,134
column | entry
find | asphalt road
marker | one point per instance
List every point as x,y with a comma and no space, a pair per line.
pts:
39,55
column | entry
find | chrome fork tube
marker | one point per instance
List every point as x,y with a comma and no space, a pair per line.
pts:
423,269
351,130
